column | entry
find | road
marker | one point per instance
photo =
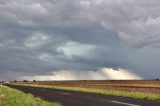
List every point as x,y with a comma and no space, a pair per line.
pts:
69,98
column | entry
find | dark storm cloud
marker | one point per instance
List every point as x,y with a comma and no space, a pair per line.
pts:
38,37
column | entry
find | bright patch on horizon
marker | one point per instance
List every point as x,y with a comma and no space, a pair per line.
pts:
119,74
101,74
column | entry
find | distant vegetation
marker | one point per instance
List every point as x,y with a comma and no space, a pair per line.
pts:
12,97
25,81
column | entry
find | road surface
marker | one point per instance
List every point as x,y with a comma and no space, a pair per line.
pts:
69,98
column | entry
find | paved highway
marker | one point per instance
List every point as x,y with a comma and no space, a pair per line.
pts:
68,98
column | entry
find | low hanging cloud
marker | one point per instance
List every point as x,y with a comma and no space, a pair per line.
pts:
75,49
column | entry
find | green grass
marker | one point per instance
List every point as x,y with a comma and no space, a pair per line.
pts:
137,95
1,98
12,97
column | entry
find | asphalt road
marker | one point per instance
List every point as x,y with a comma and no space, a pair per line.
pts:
68,98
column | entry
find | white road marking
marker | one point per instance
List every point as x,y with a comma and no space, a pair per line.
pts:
125,103
64,93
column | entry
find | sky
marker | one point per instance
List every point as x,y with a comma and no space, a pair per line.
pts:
79,39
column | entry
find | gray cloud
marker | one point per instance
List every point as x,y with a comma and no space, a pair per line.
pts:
136,22
44,36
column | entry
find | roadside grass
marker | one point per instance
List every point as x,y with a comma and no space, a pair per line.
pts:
136,95
12,97
2,103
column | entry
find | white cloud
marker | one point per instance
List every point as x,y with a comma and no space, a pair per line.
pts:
75,49
46,57
36,40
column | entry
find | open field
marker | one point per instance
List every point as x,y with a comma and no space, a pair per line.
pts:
147,90
12,97
149,86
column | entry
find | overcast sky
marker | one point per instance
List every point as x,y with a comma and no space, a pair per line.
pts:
79,39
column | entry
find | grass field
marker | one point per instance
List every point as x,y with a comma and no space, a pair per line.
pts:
147,90
12,97
131,85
